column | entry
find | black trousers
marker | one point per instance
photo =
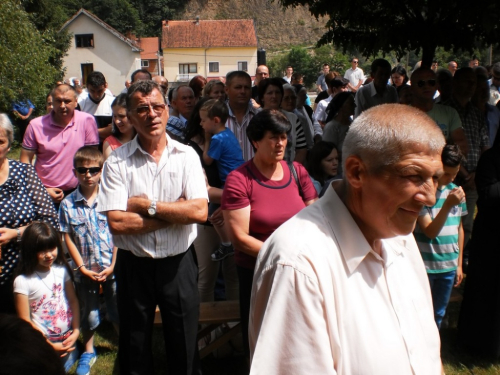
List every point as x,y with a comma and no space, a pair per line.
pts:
245,277
170,283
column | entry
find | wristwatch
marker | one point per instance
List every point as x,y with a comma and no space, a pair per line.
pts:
18,235
152,209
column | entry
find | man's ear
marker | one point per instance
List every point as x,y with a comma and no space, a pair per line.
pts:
106,85
355,171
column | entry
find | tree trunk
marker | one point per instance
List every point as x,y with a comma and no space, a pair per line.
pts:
428,55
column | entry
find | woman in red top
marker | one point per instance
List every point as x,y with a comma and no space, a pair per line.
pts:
261,195
123,131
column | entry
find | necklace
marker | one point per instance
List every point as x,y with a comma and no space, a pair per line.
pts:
54,287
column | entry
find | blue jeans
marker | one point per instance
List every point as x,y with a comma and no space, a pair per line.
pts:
441,287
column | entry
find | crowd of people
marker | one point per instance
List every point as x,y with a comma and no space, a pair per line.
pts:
153,195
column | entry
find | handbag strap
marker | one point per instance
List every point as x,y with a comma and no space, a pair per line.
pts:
295,177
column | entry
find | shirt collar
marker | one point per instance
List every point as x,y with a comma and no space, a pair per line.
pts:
351,241
172,146
250,109
80,198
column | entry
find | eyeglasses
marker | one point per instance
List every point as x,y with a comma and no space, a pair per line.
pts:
143,110
355,62
93,170
430,82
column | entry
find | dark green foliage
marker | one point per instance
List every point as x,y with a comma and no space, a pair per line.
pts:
407,25
309,61
29,58
152,12
119,14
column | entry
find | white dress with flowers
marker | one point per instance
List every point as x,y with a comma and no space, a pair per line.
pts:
49,309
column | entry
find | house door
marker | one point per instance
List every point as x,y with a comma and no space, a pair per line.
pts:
86,70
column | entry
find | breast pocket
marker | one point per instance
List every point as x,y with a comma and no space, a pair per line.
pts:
79,225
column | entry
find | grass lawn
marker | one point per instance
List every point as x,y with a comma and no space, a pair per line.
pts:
455,360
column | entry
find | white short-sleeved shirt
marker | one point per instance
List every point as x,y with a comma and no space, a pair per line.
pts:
354,76
323,302
130,171
49,309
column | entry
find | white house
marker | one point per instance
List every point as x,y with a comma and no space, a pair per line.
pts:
96,46
211,48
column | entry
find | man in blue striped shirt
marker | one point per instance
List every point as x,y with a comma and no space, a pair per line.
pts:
440,235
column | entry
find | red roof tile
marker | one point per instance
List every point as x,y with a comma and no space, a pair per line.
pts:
209,33
149,48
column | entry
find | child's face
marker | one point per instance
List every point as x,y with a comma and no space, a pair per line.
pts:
208,124
88,173
46,259
121,120
449,175
330,164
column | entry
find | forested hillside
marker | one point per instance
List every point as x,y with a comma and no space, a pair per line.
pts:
275,27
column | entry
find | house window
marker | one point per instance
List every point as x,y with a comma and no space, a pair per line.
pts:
213,67
144,63
84,40
188,68
243,65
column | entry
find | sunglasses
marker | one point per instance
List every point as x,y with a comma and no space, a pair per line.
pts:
355,62
430,82
93,170
158,108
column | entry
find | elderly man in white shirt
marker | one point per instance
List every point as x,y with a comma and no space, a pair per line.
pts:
341,287
153,191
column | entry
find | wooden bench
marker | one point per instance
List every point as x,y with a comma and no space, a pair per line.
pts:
212,316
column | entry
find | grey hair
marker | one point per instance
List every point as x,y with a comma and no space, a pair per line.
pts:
6,125
287,86
175,93
381,134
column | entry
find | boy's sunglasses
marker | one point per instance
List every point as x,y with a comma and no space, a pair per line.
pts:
93,171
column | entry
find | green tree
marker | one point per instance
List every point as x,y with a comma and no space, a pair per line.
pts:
152,12
24,53
406,25
48,16
119,14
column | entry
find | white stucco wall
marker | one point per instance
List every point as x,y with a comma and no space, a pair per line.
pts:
226,57
110,55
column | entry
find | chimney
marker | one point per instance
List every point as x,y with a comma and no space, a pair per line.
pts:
164,23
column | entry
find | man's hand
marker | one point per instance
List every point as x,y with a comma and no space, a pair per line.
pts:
138,203
456,196
56,194
217,219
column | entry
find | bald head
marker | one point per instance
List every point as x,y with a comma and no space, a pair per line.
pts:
262,72
380,135
163,83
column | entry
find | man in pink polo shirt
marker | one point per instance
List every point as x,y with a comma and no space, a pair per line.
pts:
54,139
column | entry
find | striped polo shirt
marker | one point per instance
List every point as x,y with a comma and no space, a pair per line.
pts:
441,253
